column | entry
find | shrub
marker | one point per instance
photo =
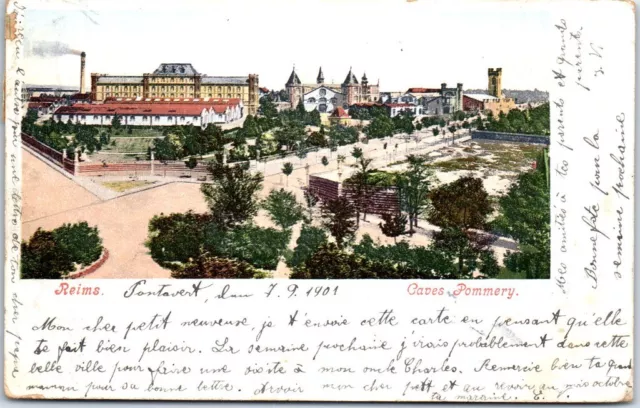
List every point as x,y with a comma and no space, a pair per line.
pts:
41,258
55,254
81,241
177,237
329,262
211,267
260,247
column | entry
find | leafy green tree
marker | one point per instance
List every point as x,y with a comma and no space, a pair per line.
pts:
356,152
403,123
191,164
232,196
339,219
435,131
393,225
313,118
283,208
290,135
178,237
42,258
317,139
379,127
525,216
268,108
340,135
324,161
116,122
417,262
414,186
360,186
311,238
287,169
461,208
260,247
80,241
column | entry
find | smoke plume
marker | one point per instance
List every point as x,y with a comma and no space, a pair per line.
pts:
52,49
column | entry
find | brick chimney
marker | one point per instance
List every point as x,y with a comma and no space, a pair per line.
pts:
83,57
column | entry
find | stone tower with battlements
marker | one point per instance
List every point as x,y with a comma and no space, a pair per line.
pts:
495,82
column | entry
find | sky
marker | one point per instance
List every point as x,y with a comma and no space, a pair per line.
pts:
401,44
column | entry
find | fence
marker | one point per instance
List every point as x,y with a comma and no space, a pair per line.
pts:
509,137
53,156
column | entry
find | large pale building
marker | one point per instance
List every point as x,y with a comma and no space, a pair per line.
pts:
325,97
177,80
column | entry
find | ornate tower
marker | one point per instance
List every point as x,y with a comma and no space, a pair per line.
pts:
350,89
366,92
495,82
254,94
294,88
320,79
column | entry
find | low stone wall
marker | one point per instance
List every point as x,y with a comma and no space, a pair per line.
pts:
93,267
509,137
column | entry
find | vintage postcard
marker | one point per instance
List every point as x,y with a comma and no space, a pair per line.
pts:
319,200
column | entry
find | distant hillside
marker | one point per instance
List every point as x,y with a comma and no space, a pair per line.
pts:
521,96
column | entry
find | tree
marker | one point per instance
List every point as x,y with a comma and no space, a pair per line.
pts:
178,237
394,225
356,152
191,164
232,197
311,238
359,183
290,135
310,200
340,135
435,131
414,186
324,161
339,218
80,241
41,258
116,122
461,208
379,127
525,216
283,208
287,169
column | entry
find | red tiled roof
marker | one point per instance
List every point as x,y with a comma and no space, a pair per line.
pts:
399,105
145,109
423,90
367,104
339,112
81,96
35,105
173,101
265,90
46,99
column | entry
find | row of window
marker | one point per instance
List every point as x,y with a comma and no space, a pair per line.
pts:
108,88
322,100
172,95
96,117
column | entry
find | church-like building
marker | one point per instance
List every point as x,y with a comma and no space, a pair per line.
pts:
326,97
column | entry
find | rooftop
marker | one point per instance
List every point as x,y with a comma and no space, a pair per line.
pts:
175,68
141,109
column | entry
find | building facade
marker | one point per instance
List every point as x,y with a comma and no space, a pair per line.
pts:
149,112
494,100
347,93
178,80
